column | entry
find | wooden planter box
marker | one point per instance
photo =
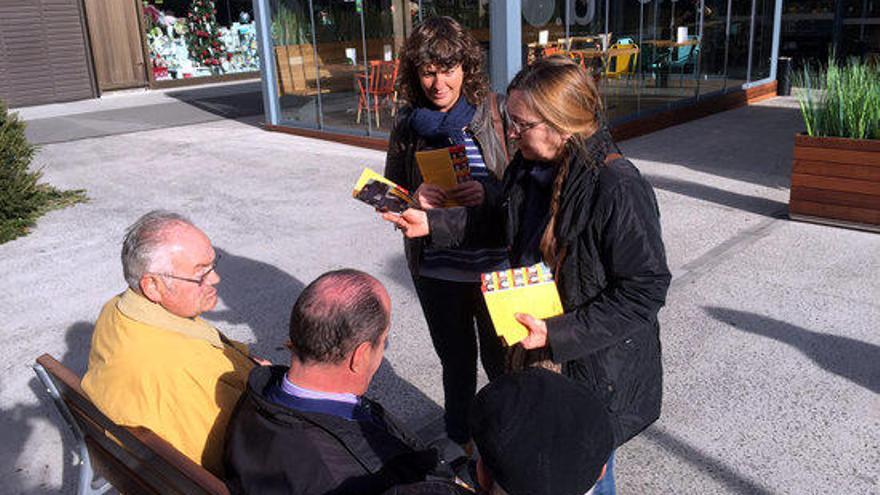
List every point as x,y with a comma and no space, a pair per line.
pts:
836,181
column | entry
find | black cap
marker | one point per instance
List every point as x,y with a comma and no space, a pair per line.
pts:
539,432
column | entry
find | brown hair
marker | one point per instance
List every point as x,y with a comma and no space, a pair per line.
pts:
565,96
442,42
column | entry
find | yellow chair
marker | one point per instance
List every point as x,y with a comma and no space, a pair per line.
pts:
622,60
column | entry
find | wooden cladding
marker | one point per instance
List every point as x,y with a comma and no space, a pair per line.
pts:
43,53
117,48
836,179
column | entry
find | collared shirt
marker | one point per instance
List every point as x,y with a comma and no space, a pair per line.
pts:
342,405
305,393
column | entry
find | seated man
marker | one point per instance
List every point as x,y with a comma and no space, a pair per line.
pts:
154,362
539,433
308,429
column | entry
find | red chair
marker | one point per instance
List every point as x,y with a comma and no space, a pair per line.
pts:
379,87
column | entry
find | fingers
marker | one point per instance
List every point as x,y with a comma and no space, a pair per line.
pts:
412,222
526,319
537,328
468,193
430,196
394,218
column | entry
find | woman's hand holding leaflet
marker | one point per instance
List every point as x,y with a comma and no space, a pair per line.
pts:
468,193
537,337
413,223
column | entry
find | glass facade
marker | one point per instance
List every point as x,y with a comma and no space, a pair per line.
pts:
200,38
809,28
335,59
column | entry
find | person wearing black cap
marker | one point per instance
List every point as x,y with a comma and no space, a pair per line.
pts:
539,433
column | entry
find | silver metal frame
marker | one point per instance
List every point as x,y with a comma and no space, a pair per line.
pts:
88,483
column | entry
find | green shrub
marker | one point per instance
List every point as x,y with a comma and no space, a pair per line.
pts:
841,99
22,198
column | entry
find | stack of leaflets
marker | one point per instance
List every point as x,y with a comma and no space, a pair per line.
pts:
444,167
381,193
529,290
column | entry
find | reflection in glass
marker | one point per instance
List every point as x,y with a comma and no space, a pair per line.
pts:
294,62
762,49
340,58
473,15
542,29
713,47
738,42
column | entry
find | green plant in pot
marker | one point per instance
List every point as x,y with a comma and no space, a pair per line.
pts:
836,172
841,100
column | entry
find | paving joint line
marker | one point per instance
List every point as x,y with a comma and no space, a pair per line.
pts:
694,270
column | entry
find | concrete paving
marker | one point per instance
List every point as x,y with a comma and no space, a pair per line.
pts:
771,349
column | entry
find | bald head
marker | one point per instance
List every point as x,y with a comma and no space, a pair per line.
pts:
337,312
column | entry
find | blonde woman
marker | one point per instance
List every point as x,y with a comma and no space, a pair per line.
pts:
571,200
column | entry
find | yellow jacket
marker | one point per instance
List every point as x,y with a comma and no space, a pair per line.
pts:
173,375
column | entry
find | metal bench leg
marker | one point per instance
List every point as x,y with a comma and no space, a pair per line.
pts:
87,484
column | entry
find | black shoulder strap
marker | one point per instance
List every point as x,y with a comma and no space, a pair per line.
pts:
612,157
499,126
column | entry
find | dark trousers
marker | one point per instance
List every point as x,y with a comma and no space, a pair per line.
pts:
450,309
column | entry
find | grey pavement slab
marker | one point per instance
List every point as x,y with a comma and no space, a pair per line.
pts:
771,348
140,110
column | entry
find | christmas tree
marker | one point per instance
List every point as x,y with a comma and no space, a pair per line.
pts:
203,38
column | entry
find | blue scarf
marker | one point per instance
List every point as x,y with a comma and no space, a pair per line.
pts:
441,129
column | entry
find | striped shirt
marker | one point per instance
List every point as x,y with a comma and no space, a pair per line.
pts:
465,265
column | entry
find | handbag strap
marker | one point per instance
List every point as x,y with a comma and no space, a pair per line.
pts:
499,126
612,157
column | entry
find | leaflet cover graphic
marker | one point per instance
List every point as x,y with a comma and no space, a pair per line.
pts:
530,289
444,167
379,192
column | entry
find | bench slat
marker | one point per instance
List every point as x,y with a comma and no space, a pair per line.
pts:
134,460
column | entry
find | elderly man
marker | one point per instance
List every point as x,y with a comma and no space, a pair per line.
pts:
154,363
307,429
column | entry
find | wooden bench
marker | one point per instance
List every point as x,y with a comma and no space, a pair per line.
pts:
132,460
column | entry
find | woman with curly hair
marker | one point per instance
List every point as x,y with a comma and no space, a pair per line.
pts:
448,102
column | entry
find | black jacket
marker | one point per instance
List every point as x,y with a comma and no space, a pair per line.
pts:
275,449
401,167
612,280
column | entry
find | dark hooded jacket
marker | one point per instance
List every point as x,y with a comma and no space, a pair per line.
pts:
271,448
612,278
401,167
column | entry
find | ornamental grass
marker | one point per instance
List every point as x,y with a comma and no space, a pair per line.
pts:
841,99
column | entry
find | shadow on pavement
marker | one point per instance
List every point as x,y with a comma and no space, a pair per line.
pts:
258,295
729,146
718,470
232,101
852,359
18,422
730,199
397,270
403,399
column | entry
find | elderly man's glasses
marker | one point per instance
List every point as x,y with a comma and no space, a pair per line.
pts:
201,279
521,127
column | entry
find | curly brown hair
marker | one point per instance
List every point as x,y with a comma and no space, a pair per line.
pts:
442,42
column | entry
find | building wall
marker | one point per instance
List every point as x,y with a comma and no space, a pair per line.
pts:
43,53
